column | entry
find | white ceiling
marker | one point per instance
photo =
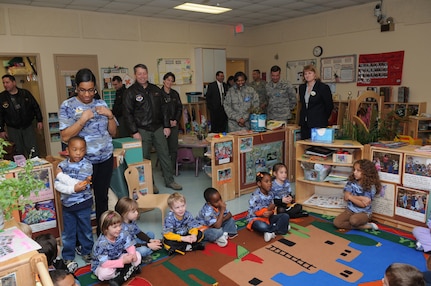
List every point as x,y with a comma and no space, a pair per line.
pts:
247,12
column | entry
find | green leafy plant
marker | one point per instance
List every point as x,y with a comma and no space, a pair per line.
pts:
15,192
385,129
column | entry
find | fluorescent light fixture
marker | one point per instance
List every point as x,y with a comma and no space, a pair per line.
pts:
202,8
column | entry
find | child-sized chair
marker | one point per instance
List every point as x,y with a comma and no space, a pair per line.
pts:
185,156
145,201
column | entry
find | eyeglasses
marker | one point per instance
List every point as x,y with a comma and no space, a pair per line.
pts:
90,91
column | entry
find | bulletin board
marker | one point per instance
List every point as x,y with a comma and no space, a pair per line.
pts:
295,70
338,69
180,67
380,69
108,73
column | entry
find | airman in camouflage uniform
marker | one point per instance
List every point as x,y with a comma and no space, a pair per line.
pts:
239,101
260,86
281,97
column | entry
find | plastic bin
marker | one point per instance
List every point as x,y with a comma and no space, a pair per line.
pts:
193,96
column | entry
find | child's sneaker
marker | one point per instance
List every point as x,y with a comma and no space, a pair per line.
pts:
71,265
232,235
147,259
373,226
222,240
267,236
87,258
198,246
419,246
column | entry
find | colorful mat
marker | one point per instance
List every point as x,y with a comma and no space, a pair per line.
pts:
312,253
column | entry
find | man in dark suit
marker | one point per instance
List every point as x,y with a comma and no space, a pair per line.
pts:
215,95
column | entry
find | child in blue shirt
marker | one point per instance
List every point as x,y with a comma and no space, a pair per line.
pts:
114,254
181,230
145,242
73,182
261,215
283,198
216,219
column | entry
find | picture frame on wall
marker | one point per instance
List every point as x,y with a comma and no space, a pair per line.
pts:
411,203
415,173
388,164
223,152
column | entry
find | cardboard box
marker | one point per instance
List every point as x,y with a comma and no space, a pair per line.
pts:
342,158
317,175
132,147
323,135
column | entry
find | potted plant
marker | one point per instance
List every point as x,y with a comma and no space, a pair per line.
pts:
15,192
200,129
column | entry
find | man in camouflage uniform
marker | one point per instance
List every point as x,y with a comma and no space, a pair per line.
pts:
259,86
281,97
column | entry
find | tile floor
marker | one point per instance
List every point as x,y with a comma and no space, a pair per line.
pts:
193,188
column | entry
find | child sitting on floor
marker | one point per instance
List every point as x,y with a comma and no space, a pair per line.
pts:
114,255
261,215
216,219
180,229
283,195
61,277
423,237
362,185
50,248
145,242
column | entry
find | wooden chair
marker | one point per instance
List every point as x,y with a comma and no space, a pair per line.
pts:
145,201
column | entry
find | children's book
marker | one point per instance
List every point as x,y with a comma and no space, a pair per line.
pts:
275,124
13,242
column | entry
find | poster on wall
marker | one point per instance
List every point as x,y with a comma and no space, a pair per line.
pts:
416,172
181,68
380,69
338,69
295,70
261,159
384,202
388,165
411,204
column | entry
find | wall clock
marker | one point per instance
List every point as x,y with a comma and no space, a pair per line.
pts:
317,51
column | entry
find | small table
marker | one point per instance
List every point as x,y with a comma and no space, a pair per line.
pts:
191,142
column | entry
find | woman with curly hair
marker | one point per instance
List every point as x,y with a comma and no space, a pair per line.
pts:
363,184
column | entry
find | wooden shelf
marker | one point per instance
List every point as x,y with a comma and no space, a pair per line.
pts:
306,188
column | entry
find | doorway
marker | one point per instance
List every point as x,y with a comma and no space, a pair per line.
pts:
66,67
234,65
24,67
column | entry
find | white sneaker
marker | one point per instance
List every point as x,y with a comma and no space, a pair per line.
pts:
419,246
374,226
222,240
289,227
267,236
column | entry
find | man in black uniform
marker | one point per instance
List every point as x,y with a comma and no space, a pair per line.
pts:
18,110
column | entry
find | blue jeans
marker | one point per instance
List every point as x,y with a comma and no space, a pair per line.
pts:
278,223
212,234
144,250
76,224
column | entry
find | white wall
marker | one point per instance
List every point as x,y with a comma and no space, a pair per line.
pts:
128,40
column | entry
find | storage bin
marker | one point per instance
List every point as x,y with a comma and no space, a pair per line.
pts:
342,158
132,147
193,96
317,174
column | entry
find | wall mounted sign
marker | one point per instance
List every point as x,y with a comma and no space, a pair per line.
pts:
380,69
